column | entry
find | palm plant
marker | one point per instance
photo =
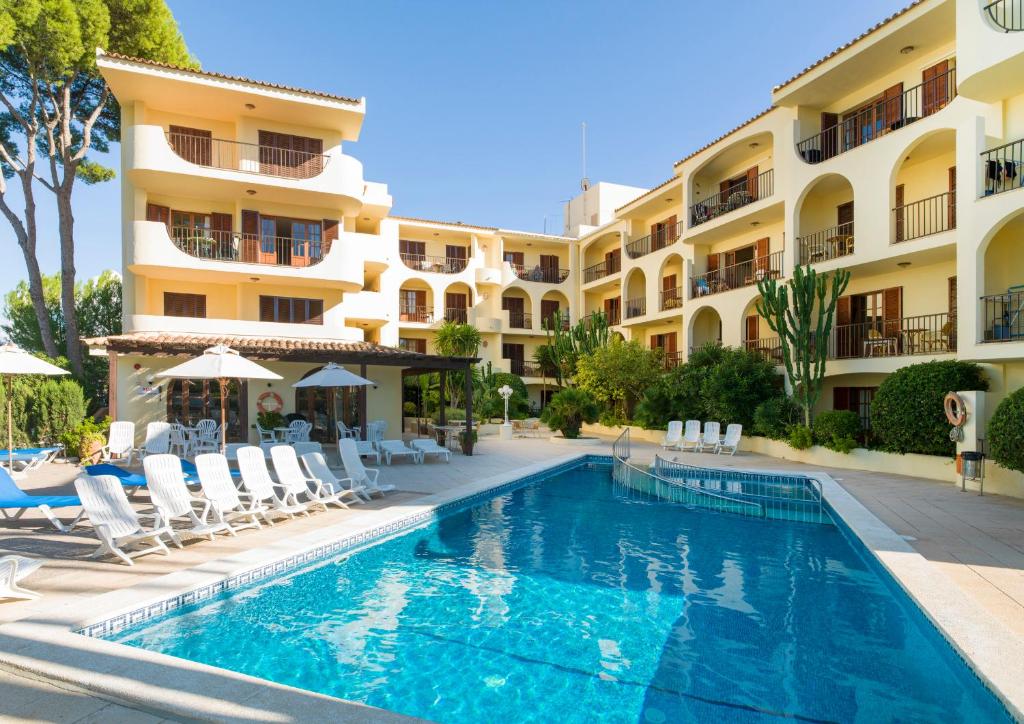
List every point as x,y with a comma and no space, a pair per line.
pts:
457,340
567,412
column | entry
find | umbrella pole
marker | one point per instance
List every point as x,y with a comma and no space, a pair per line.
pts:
10,425
223,417
334,414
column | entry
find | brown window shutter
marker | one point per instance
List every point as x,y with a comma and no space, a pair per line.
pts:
844,314
753,326
723,190
829,135
251,222
763,245
892,310
712,262
158,213
330,233
752,182
840,398
900,213
951,199
668,283
934,88
421,298
670,342
316,311
892,106
179,304
951,301
268,307
192,144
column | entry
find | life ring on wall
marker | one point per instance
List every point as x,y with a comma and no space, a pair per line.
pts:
269,402
956,409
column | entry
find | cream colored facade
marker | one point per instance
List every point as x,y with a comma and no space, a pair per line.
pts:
874,159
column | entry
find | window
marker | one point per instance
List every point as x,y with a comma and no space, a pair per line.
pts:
412,250
306,234
412,345
292,310
855,399
178,304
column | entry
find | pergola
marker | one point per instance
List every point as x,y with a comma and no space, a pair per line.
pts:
313,351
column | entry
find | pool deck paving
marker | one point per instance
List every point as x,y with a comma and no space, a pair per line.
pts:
974,546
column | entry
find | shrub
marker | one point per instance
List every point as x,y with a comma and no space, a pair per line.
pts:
774,417
1006,432
907,414
617,375
43,409
409,409
837,430
270,420
800,437
568,410
492,404
611,418
736,385
676,395
79,440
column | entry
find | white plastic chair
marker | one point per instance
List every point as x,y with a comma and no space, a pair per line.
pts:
291,477
206,437
265,434
298,431
360,474
115,521
367,448
397,448
709,441
12,570
256,479
120,445
375,432
429,446
673,435
731,441
179,440
158,439
219,488
317,467
346,431
301,448
173,500
691,436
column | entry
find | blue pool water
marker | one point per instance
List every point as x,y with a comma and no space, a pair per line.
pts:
571,600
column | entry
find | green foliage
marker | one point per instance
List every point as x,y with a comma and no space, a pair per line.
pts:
569,345
803,324
800,437
676,395
907,415
78,440
775,416
44,408
616,375
611,418
837,430
452,414
740,382
271,419
546,358
568,410
409,409
1006,432
456,340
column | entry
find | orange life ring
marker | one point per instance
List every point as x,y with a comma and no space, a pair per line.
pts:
276,404
956,409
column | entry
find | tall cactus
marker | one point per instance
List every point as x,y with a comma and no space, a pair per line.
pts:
570,344
803,325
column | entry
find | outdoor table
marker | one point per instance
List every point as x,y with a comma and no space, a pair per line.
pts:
281,433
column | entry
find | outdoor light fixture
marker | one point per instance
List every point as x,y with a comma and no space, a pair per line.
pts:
251,192
250,107
906,50
903,264
669,199
753,144
755,223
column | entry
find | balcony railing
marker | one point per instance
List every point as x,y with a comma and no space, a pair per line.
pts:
636,307
524,368
826,244
881,118
738,196
770,348
438,264
923,334
1004,316
925,217
734,276
520,320
248,248
612,316
457,315
671,360
1003,167
247,157
602,269
665,236
550,323
415,314
1007,14
670,299
547,275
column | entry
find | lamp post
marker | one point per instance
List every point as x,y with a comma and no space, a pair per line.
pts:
506,429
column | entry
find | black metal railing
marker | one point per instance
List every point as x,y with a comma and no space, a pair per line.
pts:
551,322
923,334
457,315
407,313
826,244
928,216
520,320
661,238
635,307
879,119
670,299
248,157
248,248
602,269
738,196
524,368
1003,167
612,316
671,360
734,276
1007,14
439,264
770,348
548,275
1004,316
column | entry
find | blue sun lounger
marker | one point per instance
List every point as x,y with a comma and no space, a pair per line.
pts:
29,458
127,478
14,498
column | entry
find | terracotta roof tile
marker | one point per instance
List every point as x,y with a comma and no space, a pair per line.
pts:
444,223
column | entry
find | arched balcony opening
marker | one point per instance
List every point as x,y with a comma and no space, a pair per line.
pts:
825,221
554,305
458,299
416,302
517,304
740,175
924,188
758,336
705,328
636,295
670,283
1002,306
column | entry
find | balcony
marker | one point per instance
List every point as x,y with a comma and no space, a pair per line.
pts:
671,360
247,157
923,334
550,323
249,248
1006,14
1003,167
669,299
735,276
880,119
457,315
826,244
1004,316
636,307
520,320
523,368
769,348
435,264
918,219
602,269
424,315
736,197
653,242
545,275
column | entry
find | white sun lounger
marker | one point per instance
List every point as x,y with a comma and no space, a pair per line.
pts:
256,478
691,436
429,446
12,570
709,441
225,501
115,521
360,475
120,445
367,449
731,441
291,476
174,501
158,439
317,467
673,435
397,448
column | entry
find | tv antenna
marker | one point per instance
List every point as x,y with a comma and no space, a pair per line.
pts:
585,182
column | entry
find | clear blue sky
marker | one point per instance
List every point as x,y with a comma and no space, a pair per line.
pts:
474,108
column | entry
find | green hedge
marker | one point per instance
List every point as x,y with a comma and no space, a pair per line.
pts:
1006,432
44,409
907,415
773,418
837,430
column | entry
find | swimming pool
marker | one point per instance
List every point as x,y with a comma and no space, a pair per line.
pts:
572,598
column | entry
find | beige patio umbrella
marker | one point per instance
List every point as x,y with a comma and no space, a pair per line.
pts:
223,364
16,361
332,376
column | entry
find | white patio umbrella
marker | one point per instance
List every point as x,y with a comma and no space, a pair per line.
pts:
332,376
16,361
223,364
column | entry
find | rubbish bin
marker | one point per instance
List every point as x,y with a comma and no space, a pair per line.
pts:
972,468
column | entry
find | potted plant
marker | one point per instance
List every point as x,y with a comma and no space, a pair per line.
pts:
86,440
568,410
